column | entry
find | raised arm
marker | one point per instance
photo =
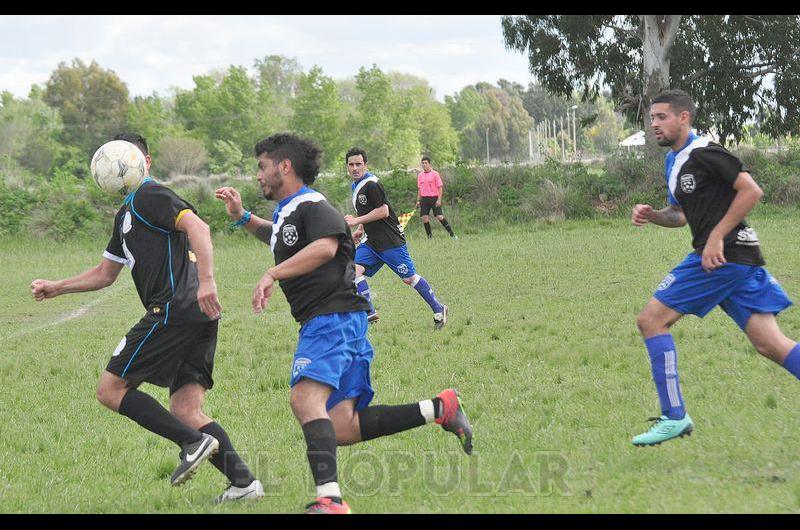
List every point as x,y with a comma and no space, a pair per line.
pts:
260,228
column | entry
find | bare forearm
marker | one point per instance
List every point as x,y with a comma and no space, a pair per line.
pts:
669,217
740,208
260,228
92,280
310,258
375,215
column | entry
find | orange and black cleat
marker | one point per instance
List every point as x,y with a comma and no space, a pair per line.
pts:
454,419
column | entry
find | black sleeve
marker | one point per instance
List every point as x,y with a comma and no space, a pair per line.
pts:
721,164
115,243
320,220
159,206
376,197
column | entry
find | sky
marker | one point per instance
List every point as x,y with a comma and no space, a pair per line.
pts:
155,53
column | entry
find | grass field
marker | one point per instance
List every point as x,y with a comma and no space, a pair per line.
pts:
542,344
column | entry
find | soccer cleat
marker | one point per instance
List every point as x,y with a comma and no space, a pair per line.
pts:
252,492
665,429
324,505
440,319
192,456
454,420
373,317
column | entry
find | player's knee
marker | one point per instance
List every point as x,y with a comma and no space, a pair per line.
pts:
440,218
646,324
109,396
411,280
425,219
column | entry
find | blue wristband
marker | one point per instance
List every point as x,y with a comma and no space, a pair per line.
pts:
244,220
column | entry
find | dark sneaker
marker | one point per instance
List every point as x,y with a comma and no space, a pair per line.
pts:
454,420
440,319
192,456
373,317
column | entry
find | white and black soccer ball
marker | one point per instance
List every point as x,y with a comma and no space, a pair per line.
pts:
119,167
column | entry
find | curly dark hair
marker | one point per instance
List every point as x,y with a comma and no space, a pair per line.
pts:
304,153
355,151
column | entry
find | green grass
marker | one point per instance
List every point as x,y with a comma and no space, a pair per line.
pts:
542,344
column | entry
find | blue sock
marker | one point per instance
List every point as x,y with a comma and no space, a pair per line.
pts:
363,289
426,292
792,362
664,365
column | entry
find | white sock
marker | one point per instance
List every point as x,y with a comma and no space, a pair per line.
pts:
331,489
427,410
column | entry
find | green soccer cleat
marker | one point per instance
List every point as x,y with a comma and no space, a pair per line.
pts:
664,430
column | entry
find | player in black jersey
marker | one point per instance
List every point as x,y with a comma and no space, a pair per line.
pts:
381,238
168,249
314,250
709,189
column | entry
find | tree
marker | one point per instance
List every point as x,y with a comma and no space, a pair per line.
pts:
735,66
154,118
483,109
225,110
92,102
278,82
318,114
29,131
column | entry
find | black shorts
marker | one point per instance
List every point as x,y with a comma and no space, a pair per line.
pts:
426,204
167,356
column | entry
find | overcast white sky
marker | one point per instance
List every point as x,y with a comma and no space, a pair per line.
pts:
156,52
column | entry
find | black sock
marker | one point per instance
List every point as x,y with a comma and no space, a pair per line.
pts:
437,407
321,452
227,460
446,226
428,230
147,412
383,421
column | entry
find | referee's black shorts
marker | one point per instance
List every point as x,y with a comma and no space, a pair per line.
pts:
426,204
167,356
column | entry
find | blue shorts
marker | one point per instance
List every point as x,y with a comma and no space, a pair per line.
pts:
334,350
740,290
397,258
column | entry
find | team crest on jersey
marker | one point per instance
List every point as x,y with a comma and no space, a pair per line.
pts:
290,236
688,184
362,199
666,282
300,365
126,223
402,268
747,237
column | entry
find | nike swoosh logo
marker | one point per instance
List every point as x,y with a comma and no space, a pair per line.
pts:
192,457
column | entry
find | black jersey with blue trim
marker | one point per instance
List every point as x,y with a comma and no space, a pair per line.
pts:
163,266
700,180
368,194
330,287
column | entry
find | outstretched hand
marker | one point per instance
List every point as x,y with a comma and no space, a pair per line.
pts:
232,200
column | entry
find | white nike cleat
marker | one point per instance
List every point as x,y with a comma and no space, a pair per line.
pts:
253,492
440,319
192,456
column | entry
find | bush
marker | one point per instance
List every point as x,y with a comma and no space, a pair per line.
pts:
181,156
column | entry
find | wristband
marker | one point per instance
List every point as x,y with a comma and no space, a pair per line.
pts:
244,220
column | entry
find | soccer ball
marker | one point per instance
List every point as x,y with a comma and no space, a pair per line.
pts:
119,167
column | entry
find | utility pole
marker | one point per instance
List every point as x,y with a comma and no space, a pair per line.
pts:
574,133
561,130
487,146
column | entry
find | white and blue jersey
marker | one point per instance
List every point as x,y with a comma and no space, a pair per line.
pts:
700,179
384,241
333,348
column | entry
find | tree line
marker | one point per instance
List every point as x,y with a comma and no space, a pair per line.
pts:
213,126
